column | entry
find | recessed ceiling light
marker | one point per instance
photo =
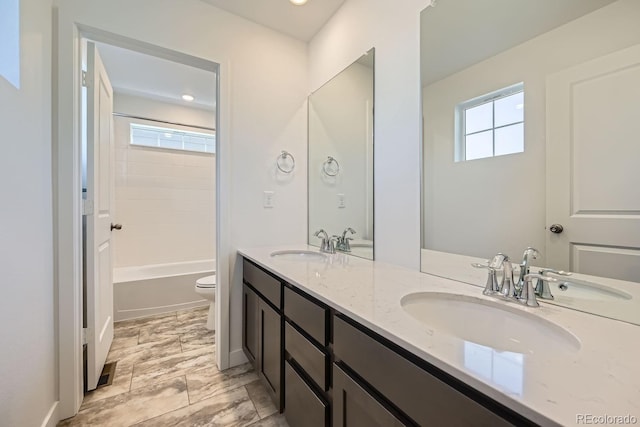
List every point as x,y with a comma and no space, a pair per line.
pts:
298,2
188,97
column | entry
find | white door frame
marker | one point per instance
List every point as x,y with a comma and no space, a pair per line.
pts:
67,190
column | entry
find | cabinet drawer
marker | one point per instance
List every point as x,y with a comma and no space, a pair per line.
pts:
423,397
353,406
302,407
307,355
263,282
307,314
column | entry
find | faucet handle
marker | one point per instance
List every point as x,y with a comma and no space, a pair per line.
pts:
321,234
491,287
527,294
541,289
498,261
348,230
346,246
544,271
533,252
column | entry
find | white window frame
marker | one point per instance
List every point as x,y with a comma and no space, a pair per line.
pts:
172,131
460,123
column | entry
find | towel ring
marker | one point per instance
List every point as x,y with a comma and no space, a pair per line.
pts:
280,160
327,163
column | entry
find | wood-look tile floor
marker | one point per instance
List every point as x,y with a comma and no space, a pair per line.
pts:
166,376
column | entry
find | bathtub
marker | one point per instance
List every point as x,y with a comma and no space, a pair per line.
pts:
161,288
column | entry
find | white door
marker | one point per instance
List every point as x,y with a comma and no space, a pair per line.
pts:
100,156
593,166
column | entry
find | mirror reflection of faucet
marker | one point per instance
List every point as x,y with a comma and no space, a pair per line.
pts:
343,241
331,244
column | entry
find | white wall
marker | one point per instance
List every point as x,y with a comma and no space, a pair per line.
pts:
165,199
263,91
27,323
133,105
393,28
492,205
340,115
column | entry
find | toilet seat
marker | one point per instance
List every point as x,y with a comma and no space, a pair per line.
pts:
206,282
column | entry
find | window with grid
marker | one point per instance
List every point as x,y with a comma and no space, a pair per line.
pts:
491,125
151,136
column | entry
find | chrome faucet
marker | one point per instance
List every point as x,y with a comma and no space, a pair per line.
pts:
542,287
342,243
524,266
507,289
327,244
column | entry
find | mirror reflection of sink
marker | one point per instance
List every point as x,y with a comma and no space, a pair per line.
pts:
497,324
301,255
582,289
362,244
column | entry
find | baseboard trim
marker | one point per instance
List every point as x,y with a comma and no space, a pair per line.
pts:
52,417
237,357
152,311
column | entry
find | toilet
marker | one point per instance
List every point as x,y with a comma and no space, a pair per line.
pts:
206,287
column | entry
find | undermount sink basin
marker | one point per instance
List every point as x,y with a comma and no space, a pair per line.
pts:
302,255
500,325
582,289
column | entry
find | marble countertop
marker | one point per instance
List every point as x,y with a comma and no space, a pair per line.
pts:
602,378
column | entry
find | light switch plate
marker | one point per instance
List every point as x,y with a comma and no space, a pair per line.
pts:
341,200
267,199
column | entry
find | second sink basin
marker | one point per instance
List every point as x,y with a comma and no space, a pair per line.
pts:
496,324
301,255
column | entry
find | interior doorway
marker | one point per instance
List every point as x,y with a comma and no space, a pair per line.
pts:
148,161
68,142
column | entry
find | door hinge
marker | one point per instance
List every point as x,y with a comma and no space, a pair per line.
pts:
84,78
87,207
86,336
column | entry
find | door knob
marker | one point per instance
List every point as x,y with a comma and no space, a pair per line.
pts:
556,228
116,226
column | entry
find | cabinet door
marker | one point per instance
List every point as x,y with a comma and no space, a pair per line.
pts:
250,323
354,407
270,353
303,408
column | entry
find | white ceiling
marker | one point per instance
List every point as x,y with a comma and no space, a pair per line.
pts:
148,76
156,78
456,34
301,22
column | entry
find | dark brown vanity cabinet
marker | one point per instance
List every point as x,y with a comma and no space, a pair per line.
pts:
325,369
262,327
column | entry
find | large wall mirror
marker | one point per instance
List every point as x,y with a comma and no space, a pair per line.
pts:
341,159
531,115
